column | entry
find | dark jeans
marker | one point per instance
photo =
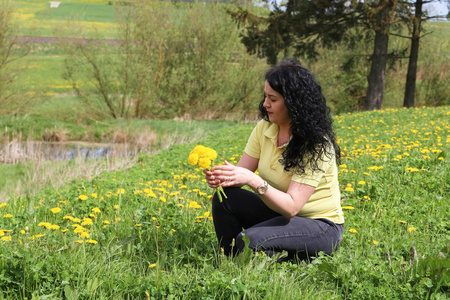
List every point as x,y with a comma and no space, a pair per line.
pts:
269,231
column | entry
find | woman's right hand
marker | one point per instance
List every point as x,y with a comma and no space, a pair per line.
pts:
212,181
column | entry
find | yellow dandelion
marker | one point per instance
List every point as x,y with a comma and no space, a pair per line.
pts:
361,182
92,242
7,238
84,235
96,210
348,207
352,230
106,222
349,189
410,229
152,265
3,204
374,242
116,207
64,230
54,227
82,197
7,216
79,241
55,210
120,191
36,236
94,195
138,225
45,224
401,221
163,199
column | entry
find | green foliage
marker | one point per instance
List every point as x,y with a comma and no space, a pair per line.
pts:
155,237
191,65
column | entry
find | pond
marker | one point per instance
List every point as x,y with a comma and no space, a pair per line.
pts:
15,151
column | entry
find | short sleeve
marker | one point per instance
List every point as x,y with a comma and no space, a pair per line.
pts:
253,147
314,178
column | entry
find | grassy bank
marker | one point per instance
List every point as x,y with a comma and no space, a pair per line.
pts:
147,231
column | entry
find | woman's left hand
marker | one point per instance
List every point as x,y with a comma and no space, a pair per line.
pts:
231,175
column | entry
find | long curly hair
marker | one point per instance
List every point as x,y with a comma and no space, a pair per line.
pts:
312,131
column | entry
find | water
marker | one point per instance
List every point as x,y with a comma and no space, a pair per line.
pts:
15,151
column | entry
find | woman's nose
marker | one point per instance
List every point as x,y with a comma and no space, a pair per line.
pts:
266,102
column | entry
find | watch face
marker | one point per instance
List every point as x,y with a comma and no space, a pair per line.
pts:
262,190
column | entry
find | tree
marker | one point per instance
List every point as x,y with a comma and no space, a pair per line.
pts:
415,25
304,25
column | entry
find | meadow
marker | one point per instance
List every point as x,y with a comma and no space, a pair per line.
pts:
147,232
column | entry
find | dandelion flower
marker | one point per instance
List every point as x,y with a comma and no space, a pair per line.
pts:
3,204
55,210
152,266
96,210
84,235
94,195
348,207
349,189
401,221
7,238
352,230
374,242
92,242
410,229
82,197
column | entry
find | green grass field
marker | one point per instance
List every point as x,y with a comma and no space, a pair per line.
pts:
147,231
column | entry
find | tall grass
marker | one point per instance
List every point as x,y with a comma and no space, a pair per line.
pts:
147,231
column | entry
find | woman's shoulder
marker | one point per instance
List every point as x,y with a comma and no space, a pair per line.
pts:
262,124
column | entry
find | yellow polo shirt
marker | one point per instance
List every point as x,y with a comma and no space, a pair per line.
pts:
325,202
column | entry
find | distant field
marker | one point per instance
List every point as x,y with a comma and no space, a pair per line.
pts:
37,18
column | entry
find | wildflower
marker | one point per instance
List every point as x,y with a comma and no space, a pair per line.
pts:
366,197
86,221
45,224
361,182
163,199
84,235
349,189
348,207
82,197
7,216
138,225
3,204
374,242
410,229
203,156
55,210
106,222
96,210
79,241
92,242
152,266
68,218
401,221
116,207
64,230
36,236
54,227
94,195
120,191
352,230
4,231
6,238
194,204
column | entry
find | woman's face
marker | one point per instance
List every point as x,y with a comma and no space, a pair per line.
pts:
275,107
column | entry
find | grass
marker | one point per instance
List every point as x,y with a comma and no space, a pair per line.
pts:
149,136
147,232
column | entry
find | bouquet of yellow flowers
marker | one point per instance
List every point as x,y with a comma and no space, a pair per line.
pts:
203,157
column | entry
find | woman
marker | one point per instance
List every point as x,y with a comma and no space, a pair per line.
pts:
295,203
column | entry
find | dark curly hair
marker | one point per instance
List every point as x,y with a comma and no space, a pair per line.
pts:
312,131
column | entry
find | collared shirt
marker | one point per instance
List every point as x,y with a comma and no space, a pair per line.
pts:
325,202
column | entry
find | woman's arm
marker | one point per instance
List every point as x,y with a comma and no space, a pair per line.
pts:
287,204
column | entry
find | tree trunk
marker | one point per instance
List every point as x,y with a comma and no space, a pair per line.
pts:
374,96
410,87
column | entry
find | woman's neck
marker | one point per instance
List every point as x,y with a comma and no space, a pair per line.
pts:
284,134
